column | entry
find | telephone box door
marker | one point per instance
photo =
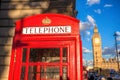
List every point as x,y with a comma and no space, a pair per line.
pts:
44,61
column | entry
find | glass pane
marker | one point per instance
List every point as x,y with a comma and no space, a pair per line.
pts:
52,72
44,55
64,76
32,72
64,54
44,73
24,54
22,73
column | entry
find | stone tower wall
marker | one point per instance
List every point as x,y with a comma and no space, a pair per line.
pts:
12,10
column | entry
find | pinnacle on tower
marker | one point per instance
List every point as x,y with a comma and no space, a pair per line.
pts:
95,29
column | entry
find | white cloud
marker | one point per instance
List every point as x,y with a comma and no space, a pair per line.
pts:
84,62
91,20
110,52
91,2
87,32
88,36
85,50
86,26
118,35
89,63
98,11
108,5
118,38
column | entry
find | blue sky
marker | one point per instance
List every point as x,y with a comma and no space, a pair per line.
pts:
105,14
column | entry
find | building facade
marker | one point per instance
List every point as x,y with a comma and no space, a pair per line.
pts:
98,60
12,10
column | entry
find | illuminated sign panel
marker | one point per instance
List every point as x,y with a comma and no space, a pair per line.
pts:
47,30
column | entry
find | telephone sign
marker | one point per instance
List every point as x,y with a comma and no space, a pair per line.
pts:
47,30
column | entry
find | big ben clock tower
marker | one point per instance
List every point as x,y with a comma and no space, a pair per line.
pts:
97,51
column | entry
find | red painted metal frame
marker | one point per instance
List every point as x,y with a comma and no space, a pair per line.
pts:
71,40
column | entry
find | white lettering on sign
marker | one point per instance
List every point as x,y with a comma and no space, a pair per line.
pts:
47,30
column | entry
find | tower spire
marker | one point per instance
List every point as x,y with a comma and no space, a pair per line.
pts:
95,29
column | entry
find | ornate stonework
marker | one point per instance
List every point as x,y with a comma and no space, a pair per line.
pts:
98,61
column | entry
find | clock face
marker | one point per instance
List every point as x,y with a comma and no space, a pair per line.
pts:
97,40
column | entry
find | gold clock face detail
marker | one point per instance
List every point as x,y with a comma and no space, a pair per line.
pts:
97,40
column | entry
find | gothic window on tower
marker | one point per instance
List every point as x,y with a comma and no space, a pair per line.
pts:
96,53
97,60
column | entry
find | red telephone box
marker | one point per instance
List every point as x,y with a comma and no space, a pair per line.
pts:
46,47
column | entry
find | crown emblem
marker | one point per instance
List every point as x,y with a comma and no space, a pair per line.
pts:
46,21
